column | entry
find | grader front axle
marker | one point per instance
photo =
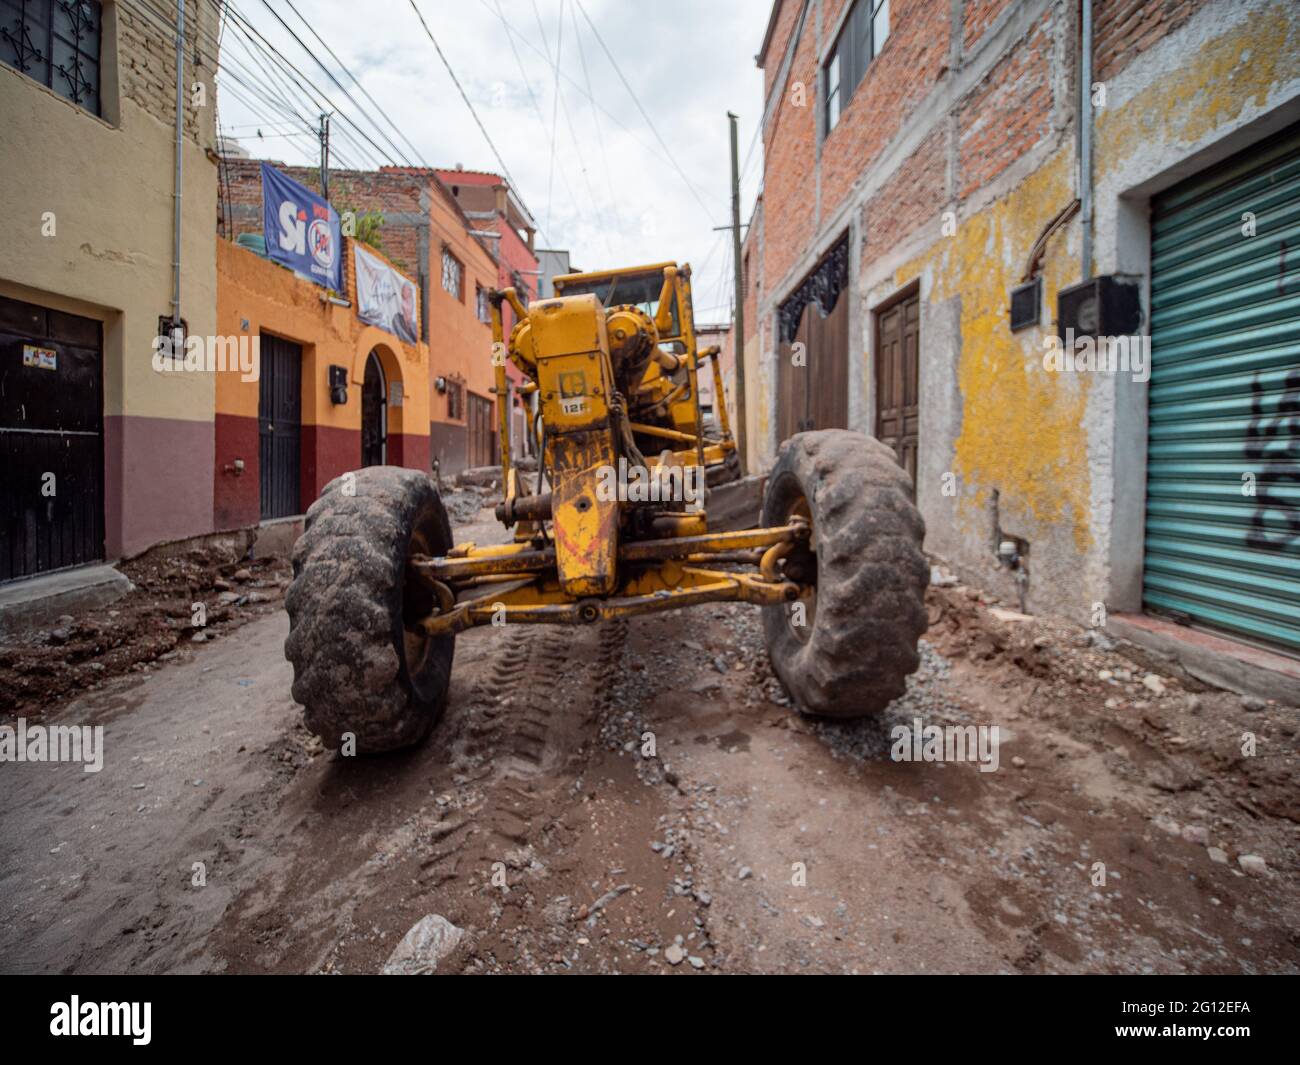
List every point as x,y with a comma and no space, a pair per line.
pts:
658,575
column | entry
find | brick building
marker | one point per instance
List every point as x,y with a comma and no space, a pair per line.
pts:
924,159
428,237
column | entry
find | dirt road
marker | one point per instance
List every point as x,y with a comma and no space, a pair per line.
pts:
753,840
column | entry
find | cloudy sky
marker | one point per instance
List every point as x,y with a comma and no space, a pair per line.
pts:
588,163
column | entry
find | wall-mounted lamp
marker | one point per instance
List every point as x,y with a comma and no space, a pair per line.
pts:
440,384
338,385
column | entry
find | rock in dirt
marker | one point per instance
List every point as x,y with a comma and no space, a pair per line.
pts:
431,939
674,955
1253,864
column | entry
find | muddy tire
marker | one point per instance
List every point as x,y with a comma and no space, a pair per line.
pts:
866,611
356,667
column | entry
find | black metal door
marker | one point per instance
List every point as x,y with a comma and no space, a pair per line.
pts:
279,423
51,440
374,415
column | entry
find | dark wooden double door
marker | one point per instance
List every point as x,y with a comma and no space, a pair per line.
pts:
812,377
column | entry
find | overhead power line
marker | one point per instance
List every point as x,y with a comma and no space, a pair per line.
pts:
341,87
396,128
600,139
512,35
636,100
505,170
243,23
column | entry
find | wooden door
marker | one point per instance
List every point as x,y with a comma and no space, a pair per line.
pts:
897,379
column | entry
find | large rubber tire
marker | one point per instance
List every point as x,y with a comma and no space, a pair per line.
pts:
852,656
356,668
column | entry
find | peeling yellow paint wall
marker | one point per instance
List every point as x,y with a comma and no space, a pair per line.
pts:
1022,427
1209,90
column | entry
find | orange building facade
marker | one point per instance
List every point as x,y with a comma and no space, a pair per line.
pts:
282,433
428,237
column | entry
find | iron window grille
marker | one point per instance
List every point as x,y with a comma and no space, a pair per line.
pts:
453,274
57,43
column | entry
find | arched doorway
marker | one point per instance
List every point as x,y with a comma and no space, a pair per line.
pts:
374,414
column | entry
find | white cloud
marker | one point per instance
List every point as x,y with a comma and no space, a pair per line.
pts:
688,62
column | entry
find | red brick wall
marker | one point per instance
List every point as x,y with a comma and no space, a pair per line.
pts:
780,41
386,191
909,199
978,16
1008,113
790,147
913,58
1124,29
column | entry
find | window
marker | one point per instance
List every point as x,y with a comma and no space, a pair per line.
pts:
879,26
455,401
865,30
833,90
56,42
453,274
481,303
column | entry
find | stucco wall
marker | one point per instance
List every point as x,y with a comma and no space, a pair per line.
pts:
109,184
255,296
1056,459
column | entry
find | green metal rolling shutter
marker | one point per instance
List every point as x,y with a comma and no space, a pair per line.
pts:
1225,398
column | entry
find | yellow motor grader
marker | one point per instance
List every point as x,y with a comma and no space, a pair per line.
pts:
613,523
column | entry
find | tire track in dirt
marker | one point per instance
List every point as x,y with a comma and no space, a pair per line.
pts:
544,692
457,826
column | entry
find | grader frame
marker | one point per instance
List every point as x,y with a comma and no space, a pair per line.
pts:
607,380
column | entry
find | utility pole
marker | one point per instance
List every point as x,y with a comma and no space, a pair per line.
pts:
325,156
738,329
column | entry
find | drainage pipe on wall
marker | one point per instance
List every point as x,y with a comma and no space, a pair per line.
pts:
1085,133
180,145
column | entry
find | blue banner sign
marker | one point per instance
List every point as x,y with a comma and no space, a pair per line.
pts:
301,230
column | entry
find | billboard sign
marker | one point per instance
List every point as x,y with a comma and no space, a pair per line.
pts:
301,229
